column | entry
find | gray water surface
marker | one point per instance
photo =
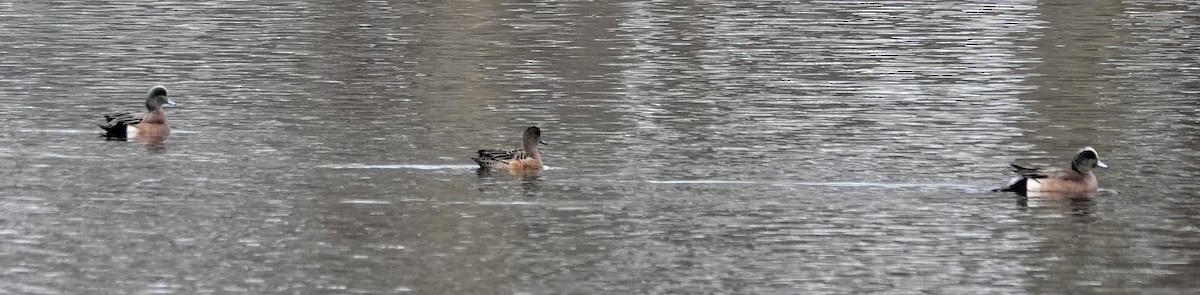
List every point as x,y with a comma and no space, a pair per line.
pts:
759,147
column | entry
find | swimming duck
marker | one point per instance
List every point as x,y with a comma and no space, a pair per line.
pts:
1078,179
149,124
527,158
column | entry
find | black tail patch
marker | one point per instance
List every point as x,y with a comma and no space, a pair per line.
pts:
116,125
1015,186
116,130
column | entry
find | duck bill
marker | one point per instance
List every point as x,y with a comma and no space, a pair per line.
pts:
1101,165
171,103
542,142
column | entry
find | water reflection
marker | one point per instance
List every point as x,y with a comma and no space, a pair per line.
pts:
765,147
1066,203
154,143
526,175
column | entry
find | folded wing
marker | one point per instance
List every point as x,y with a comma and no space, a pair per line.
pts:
115,124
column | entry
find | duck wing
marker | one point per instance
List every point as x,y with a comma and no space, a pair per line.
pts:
115,123
1031,172
487,158
123,118
503,155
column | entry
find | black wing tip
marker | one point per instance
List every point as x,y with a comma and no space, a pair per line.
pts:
114,116
1020,167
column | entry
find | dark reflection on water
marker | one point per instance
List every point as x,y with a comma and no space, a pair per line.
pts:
765,147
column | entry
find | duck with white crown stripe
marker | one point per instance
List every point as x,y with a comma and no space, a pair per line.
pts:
1078,179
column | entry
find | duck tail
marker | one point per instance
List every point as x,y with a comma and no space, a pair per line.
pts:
1015,185
113,130
483,162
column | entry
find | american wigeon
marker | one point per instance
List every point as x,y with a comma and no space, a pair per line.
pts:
527,158
1078,179
149,124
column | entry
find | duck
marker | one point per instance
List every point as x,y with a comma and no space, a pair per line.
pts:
142,125
1077,180
527,158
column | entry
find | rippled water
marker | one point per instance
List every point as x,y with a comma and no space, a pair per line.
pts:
760,147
